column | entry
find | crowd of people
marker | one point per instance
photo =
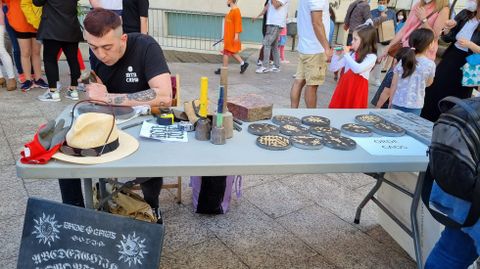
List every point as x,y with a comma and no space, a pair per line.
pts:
54,24
120,48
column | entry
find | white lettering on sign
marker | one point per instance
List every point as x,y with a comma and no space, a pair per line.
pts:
89,230
88,241
73,254
131,77
67,266
392,146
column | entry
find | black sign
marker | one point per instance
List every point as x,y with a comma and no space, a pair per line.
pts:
60,236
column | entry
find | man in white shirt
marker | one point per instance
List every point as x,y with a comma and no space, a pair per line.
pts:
276,20
314,50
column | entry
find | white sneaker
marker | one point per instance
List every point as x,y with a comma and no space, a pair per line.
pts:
261,70
49,96
72,95
259,63
274,69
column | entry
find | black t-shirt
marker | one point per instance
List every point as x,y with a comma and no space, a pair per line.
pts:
132,11
143,60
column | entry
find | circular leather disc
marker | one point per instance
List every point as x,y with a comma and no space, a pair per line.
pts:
316,121
307,142
284,119
388,129
368,119
273,142
322,131
263,129
293,129
339,142
353,129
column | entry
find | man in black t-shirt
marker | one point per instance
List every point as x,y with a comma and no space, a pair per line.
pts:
132,71
135,16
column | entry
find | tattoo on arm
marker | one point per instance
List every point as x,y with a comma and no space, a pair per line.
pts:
143,96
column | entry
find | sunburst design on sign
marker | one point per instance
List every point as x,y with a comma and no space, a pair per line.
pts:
131,249
46,229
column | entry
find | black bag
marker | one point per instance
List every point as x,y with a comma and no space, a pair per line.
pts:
454,157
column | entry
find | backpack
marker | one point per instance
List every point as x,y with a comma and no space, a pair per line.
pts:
454,156
212,194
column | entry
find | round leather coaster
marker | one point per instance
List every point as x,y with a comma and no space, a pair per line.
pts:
273,142
353,129
284,119
368,119
339,142
316,121
322,131
388,129
293,129
263,129
307,142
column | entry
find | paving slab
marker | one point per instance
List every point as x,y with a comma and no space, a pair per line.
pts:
210,254
10,239
339,242
275,199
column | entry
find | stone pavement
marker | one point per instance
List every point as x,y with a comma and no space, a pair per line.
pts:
282,221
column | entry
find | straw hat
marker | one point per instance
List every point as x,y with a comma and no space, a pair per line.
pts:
91,130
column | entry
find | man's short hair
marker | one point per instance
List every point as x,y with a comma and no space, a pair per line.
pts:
99,22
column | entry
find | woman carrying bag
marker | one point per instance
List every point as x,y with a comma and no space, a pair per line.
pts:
463,33
431,14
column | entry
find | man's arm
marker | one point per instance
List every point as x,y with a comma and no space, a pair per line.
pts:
95,3
277,3
144,25
319,29
159,94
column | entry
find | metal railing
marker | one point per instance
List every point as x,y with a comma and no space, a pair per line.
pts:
190,30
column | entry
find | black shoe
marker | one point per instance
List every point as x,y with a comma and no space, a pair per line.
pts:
243,67
158,214
217,72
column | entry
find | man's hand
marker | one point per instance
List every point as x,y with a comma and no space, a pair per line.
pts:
383,15
96,91
236,39
465,43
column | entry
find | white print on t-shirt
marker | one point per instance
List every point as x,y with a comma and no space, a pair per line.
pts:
131,77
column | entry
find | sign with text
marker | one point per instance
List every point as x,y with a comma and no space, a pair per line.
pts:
392,146
62,236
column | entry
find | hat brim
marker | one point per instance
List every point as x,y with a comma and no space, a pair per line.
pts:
127,145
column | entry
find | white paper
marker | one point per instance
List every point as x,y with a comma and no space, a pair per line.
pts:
164,133
392,146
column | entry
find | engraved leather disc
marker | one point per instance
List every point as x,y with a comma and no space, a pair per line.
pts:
307,142
353,129
316,121
273,142
284,119
368,119
263,129
293,129
388,129
322,131
339,142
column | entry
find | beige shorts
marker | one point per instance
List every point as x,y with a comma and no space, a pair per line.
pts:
312,68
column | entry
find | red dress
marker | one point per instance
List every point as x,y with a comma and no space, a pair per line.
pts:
351,92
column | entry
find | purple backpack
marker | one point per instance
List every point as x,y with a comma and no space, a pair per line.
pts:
212,194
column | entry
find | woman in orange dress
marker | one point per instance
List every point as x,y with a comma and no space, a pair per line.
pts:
231,36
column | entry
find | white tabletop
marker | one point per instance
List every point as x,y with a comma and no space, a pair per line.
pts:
239,156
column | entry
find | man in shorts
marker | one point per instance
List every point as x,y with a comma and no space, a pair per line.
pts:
314,50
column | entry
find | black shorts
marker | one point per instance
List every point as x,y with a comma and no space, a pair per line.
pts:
25,35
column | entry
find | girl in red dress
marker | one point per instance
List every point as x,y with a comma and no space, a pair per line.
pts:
352,88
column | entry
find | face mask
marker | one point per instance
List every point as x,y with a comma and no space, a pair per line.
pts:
471,6
382,8
400,17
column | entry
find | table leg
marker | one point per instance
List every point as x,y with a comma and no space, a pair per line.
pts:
379,178
87,186
413,216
